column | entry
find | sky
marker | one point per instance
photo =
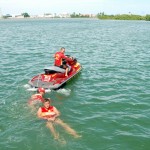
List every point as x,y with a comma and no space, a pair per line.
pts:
37,7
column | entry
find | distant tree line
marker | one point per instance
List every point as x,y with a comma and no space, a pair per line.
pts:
123,17
147,17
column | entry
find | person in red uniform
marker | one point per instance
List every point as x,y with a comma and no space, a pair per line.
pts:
51,114
36,98
59,57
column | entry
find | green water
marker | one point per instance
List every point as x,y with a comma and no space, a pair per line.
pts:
108,103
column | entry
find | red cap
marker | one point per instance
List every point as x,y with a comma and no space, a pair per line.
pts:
41,90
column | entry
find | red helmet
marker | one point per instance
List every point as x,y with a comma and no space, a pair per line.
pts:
41,90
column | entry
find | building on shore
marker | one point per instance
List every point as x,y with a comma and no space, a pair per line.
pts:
19,16
64,15
48,15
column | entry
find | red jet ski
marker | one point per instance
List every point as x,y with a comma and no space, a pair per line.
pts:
54,77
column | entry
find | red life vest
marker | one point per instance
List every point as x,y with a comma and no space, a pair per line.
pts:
36,97
50,110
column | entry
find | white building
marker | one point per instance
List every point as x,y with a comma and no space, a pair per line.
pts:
48,15
19,16
64,15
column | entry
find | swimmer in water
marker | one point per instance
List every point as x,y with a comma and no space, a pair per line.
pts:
37,98
51,114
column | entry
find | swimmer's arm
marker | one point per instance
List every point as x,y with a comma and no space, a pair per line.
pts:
56,112
33,97
40,114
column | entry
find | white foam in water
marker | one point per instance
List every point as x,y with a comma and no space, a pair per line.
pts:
29,88
64,91
47,90
32,89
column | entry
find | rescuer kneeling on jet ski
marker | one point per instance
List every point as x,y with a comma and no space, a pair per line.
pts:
61,60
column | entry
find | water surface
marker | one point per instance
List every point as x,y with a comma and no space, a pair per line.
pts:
107,103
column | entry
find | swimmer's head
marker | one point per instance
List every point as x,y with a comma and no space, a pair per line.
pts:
47,100
41,90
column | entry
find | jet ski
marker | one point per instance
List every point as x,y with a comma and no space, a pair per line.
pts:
54,77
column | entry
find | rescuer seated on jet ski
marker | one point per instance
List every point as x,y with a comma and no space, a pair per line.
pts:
65,66
59,58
